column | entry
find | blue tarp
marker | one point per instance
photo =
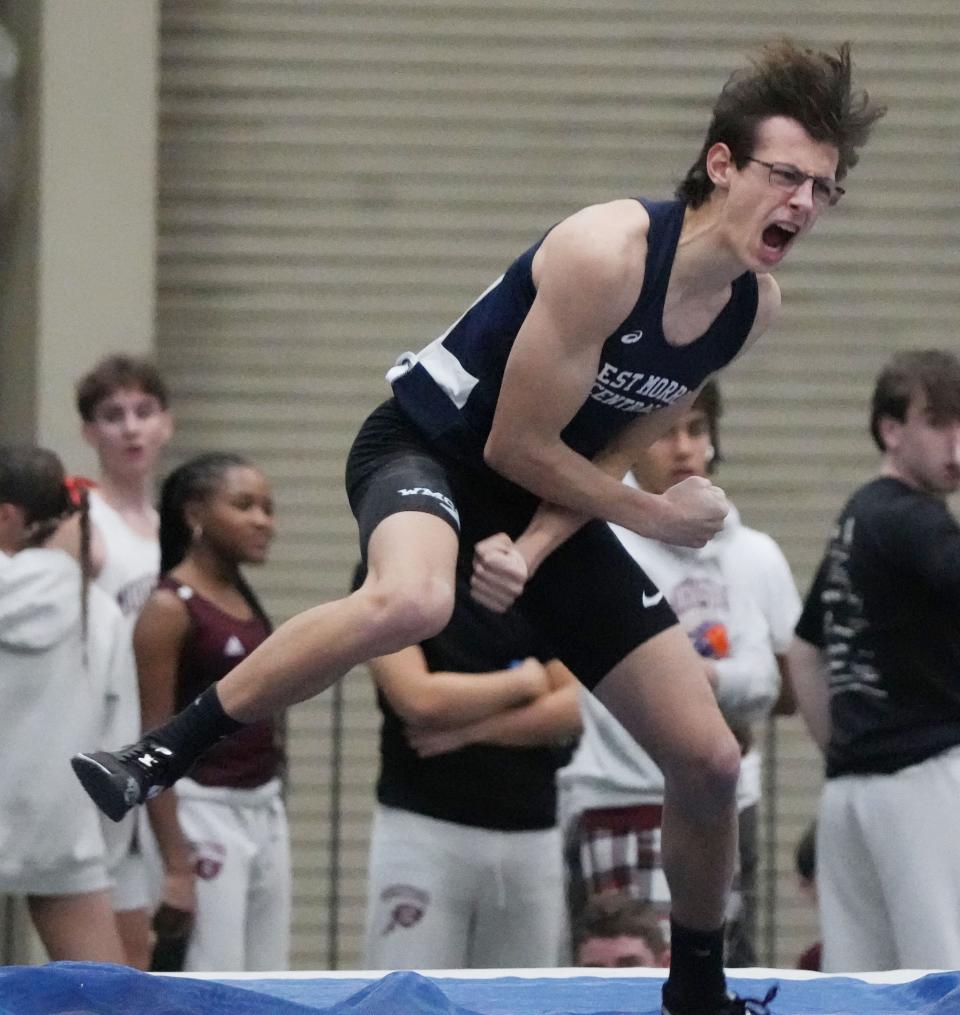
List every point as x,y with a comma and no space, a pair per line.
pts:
82,988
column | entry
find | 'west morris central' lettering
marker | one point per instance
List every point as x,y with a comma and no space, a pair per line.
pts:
648,391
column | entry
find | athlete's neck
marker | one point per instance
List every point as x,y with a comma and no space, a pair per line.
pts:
704,264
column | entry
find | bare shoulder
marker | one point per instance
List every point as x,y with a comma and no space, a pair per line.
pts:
595,257
768,303
163,612
605,240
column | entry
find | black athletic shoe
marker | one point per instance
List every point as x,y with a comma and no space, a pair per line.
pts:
119,780
733,1005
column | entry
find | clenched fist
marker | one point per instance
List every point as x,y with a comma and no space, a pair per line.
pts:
499,573
695,510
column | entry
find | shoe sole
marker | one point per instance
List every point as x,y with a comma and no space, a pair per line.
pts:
110,791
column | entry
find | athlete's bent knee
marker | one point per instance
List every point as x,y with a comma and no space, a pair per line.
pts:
707,775
408,611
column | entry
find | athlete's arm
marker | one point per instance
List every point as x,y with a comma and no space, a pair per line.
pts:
589,274
501,567
158,638
551,719
811,689
442,699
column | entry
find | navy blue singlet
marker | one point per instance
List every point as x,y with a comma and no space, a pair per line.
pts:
450,389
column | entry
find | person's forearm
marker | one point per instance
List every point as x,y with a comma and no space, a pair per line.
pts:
553,525
456,699
811,689
561,477
553,718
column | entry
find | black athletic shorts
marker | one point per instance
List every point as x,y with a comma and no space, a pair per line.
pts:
586,597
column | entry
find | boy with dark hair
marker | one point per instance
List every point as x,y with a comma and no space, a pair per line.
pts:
517,424
124,409
876,667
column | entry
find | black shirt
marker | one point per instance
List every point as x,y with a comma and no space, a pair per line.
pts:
885,610
484,786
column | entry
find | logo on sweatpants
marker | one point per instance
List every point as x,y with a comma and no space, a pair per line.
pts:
408,904
208,860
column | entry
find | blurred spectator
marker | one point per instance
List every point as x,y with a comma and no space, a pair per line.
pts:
616,931
123,407
223,832
738,603
876,666
63,649
466,866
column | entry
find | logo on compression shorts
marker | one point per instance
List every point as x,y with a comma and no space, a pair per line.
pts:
441,498
631,337
651,600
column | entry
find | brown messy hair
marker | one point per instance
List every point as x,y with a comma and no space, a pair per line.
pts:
932,372
615,914
116,373
813,88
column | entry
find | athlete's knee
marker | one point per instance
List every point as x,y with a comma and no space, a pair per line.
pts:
706,772
409,609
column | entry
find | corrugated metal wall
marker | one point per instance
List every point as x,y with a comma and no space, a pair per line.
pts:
339,178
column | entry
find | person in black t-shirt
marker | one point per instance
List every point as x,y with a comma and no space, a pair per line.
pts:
876,662
466,863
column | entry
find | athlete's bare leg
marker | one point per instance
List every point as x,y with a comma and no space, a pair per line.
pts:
79,928
407,598
662,697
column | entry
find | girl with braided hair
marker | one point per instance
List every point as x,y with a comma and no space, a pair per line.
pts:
223,835
53,623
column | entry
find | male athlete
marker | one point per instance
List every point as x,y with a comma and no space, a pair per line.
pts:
517,424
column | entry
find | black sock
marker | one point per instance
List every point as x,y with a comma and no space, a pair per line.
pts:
696,967
199,726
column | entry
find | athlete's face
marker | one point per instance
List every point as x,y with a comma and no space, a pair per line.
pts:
237,517
764,213
617,953
683,451
128,431
923,450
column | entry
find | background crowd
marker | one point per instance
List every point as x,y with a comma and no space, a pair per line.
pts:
516,824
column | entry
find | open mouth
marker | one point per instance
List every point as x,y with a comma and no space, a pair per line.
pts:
777,237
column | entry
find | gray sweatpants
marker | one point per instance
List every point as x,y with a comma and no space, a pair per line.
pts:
450,896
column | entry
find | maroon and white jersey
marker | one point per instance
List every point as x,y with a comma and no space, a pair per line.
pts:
215,644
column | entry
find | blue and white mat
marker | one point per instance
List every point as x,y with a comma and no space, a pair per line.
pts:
79,988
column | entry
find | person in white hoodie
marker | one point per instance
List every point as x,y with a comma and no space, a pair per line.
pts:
61,656
737,600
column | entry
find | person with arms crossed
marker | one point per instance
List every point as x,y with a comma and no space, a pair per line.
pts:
515,425
876,669
466,866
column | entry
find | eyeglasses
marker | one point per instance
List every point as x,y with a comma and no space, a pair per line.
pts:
787,177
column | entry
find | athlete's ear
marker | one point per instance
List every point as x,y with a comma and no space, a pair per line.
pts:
719,164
